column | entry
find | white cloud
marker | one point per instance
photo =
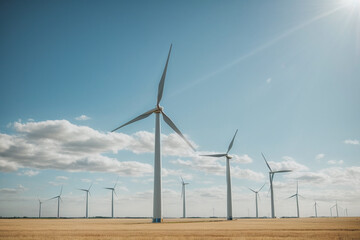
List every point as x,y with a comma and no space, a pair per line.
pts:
288,164
59,144
86,180
61,178
353,142
20,188
268,80
82,118
334,162
29,173
319,156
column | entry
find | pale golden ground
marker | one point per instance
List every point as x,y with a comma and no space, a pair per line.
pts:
306,228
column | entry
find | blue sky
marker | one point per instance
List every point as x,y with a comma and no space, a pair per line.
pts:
285,73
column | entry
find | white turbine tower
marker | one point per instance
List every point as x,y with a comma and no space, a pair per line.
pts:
183,196
315,207
112,198
256,199
228,178
297,199
40,202
58,199
271,176
157,201
87,192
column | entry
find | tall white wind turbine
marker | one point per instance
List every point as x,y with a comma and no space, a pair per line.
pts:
157,201
58,199
183,196
228,178
271,176
87,192
297,198
256,199
112,198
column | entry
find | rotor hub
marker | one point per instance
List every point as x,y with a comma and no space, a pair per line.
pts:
159,109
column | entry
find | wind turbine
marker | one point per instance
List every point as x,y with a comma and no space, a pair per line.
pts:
183,196
297,198
87,191
58,198
157,201
112,198
315,206
40,202
271,176
337,212
228,179
256,199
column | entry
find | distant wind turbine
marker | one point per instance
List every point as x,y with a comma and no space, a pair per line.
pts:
256,199
40,202
112,197
183,196
58,198
335,206
87,192
157,202
271,176
228,178
297,199
315,206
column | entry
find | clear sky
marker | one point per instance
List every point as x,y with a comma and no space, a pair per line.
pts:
285,73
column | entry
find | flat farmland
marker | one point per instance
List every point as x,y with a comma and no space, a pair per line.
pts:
304,228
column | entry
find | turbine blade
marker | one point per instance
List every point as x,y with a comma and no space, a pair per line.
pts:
292,196
215,155
182,180
85,190
116,182
115,193
162,81
266,162
252,190
109,188
261,187
142,116
232,142
52,198
61,191
90,186
282,171
172,125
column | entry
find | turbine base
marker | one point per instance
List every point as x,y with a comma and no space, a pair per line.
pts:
157,220
229,218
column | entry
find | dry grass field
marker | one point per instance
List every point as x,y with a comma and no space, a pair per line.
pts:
307,228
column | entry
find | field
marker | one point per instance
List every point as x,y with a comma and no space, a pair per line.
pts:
306,228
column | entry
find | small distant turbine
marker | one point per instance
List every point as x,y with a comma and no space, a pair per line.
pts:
58,198
112,198
87,191
315,207
228,178
40,202
337,211
271,176
256,199
297,199
183,195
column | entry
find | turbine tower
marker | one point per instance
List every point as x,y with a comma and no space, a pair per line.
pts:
40,202
58,199
271,176
297,199
228,178
183,196
256,199
157,201
315,206
87,192
112,198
